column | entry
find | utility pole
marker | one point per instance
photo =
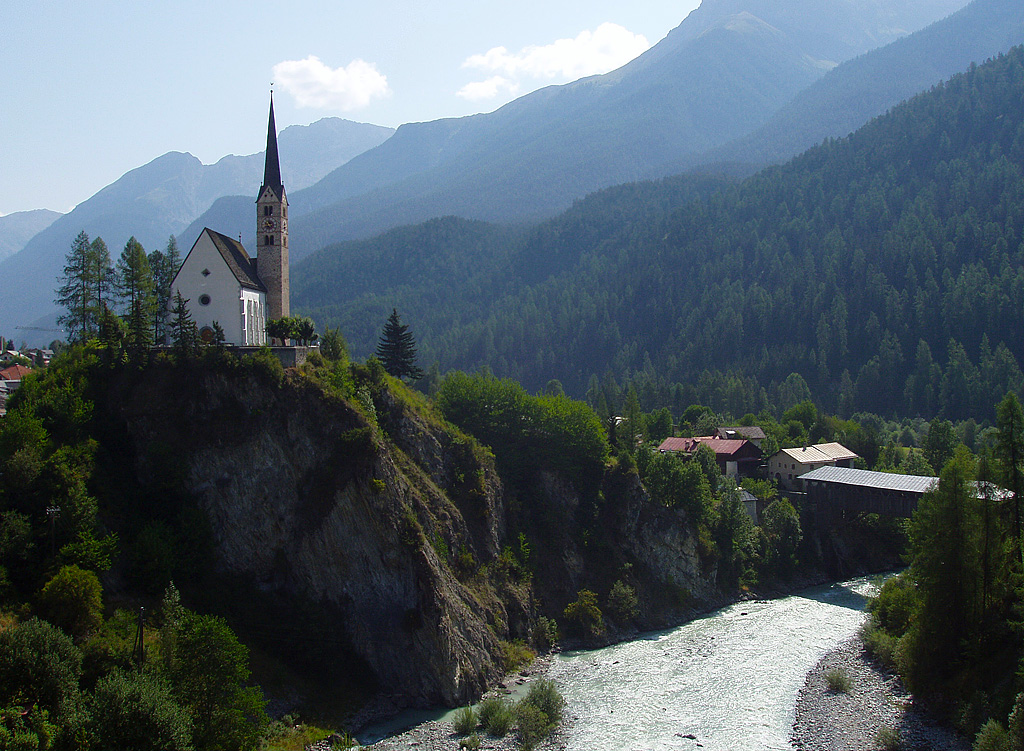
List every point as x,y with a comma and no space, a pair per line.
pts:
139,646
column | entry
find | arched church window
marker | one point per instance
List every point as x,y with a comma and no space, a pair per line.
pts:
268,240
267,210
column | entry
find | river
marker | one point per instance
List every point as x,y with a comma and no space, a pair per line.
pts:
729,679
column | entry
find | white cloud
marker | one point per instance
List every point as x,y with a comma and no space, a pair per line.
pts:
591,52
489,89
318,86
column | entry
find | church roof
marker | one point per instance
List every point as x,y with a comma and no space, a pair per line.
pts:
234,255
272,166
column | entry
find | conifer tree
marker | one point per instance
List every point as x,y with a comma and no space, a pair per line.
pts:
184,332
396,349
76,291
134,284
165,265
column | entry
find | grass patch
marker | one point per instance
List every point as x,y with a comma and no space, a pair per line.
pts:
838,681
283,736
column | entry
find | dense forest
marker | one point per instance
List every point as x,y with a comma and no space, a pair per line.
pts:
885,269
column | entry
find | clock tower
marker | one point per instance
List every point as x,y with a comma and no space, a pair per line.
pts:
272,230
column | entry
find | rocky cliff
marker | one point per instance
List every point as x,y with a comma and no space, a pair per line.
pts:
387,522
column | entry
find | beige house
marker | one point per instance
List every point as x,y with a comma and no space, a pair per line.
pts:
786,465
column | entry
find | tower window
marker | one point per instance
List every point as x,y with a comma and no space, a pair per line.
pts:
267,210
268,239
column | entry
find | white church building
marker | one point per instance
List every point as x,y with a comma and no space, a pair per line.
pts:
222,283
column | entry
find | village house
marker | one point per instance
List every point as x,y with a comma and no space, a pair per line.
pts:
735,457
786,465
752,433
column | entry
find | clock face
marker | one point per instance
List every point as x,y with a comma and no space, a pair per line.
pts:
268,224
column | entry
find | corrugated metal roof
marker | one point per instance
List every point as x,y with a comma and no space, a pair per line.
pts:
867,479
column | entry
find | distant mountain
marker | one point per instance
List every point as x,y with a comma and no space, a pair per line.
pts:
162,198
884,270
867,86
723,72
18,228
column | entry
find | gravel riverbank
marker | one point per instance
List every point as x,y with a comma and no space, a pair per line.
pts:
877,704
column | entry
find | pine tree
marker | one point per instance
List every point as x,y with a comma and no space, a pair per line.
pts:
164,265
134,284
396,349
76,292
184,332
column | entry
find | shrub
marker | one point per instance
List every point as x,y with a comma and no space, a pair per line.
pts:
544,695
464,721
152,557
40,665
495,716
880,644
894,606
992,737
470,742
545,633
584,614
622,601
888,739
533,725
72,600
515,654
135,712
838,681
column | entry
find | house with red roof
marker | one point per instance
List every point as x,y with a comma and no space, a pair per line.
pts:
736,457
14,373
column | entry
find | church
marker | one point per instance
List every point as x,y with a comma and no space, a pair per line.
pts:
222,283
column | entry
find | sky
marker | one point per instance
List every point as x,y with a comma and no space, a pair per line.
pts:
97,88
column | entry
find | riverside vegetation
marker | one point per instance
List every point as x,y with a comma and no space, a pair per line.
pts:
951,623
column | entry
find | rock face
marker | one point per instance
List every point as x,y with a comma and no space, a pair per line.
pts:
307,496
389,524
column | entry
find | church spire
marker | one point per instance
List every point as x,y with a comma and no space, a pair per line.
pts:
272,168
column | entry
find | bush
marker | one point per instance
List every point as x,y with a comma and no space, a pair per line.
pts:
545,633
888,739
544,695
894,606
992,737
39,665
838,681
464,721
584,614
471,742
135,712
533,725
622,601
73,601
880,644
495,716
515,654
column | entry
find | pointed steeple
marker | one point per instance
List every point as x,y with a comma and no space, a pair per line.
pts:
272,168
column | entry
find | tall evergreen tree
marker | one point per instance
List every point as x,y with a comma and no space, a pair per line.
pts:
76,291
184,332
165,265
397,350
135,287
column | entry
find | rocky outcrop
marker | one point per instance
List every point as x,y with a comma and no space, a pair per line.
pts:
308,496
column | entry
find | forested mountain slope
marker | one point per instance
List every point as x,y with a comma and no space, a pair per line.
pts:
886,268
723,72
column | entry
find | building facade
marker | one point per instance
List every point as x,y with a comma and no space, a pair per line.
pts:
221,283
